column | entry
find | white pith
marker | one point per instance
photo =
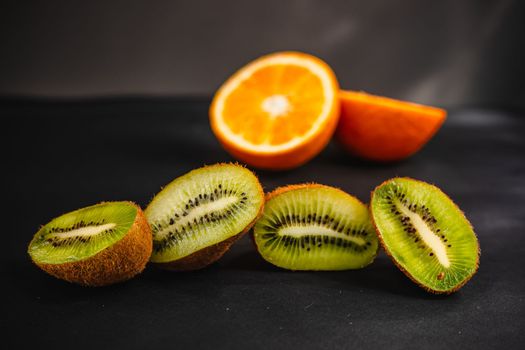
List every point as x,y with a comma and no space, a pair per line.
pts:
316,230
84,231
428,237
245,74
196,212
276,105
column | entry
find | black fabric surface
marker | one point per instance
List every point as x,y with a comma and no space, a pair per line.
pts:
62,156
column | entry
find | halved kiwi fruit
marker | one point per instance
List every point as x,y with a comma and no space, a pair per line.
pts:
315,227
198,216
427,236
94,246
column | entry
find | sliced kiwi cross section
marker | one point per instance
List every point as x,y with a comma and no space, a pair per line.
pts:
199,215
315,227
425,233
97,245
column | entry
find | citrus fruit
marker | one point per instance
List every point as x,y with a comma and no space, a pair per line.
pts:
384,129
278,111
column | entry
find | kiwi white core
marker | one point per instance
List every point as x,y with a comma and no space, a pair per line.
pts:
276,105
315,227
202,208
86,231
82,233
429,237
316,230
198,212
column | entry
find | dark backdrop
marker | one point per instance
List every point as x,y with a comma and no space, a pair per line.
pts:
445,52
63,155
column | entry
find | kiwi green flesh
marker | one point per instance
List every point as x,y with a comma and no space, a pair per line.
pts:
202,208
316,228
83,233
425,233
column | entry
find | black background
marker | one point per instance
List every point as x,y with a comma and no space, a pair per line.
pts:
445,53
62,156
107,100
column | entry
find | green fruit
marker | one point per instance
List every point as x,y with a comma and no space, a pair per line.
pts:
198,216
425,233
315,227
94,246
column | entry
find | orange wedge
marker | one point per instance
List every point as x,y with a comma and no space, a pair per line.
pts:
383,129
278,111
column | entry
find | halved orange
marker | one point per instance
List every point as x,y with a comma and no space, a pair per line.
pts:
278,111
384,129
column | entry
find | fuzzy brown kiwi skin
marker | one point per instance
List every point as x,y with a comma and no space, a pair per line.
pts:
117,263
287,188
383,245
208,255
283,189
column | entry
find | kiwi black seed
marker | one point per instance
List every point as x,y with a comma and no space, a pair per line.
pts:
315,227
196,218
427,236
95,246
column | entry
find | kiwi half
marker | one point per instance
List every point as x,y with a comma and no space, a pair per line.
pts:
196,218
427,236
315,227
94,246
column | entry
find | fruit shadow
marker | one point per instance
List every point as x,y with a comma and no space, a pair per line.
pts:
381,275
28,282
167,279
333,157
208,281
334,153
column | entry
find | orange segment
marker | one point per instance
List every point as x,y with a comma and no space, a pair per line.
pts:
384,129
277,112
